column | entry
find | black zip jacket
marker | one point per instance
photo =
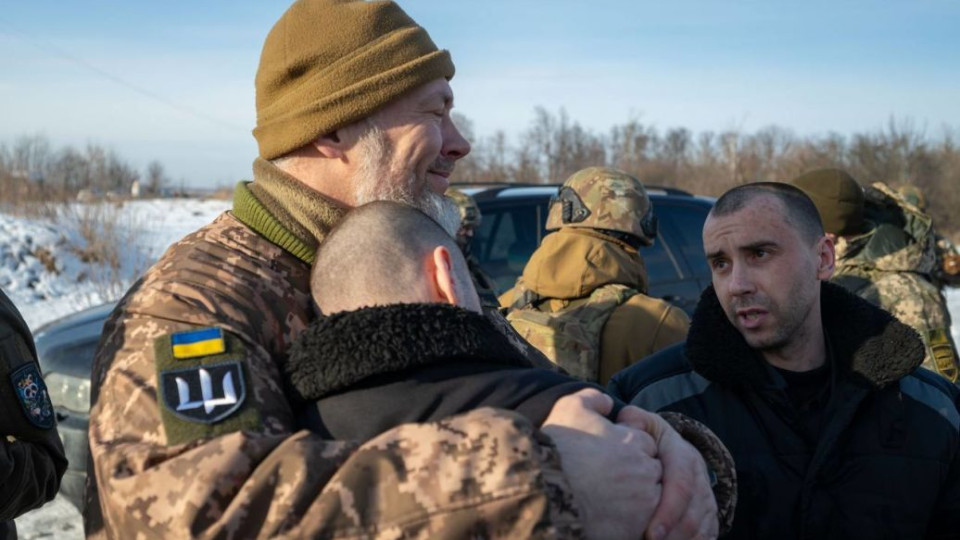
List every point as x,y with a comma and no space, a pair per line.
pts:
885,463
360,373
32,461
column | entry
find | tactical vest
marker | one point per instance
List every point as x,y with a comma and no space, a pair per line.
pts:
569,337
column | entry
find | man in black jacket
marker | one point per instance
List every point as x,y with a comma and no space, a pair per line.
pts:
834,431
31,455
403,340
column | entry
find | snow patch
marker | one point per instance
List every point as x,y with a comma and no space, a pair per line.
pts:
43,263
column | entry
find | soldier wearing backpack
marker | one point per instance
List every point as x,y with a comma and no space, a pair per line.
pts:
581,299
885,253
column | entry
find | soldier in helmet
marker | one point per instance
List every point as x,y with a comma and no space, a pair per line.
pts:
581,298
885,254
470,218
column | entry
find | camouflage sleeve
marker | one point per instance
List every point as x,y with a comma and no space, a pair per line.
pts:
484,474
719,460
918,303
484,471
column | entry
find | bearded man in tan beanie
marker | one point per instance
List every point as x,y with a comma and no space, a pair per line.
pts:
191,425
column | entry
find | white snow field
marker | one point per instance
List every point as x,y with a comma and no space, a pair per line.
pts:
144,229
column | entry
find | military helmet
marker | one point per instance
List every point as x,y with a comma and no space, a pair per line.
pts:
913,195
607,199
469,211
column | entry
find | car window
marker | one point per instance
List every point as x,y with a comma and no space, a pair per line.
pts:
507,237
660,263
684,224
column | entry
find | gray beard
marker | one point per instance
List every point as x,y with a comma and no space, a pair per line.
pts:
370,184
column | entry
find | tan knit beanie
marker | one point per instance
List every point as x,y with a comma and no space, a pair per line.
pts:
329,63
838,198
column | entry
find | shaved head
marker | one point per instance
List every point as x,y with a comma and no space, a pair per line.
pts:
380,254
799,210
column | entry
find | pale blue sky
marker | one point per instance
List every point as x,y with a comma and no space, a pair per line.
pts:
174,80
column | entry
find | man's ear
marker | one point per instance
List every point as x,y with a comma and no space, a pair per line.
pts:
443,283
330,145
826,257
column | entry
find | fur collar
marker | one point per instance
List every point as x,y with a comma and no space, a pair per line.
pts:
868,343
338,351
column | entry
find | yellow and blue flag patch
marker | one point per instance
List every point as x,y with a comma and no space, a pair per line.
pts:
194,343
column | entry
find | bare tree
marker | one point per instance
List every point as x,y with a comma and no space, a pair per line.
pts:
156,178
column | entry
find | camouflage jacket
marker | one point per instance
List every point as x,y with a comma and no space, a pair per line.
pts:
571,264
32,459
891,265
251,473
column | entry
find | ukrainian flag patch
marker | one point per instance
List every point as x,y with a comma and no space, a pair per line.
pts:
194,343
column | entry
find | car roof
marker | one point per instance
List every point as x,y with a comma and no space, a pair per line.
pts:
485,192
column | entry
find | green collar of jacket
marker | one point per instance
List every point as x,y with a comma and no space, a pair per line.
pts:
285,211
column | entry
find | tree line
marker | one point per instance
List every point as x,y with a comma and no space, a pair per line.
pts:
708,163
32,170
555,146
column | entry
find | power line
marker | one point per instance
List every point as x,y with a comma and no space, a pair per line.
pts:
49,48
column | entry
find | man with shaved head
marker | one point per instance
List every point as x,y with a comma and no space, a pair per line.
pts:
402,339
382,255
834,431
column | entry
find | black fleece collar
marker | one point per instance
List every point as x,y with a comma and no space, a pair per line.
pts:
869,344
338,351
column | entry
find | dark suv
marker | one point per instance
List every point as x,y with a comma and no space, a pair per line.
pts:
512,227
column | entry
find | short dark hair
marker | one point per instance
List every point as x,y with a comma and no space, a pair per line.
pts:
801,213
374,256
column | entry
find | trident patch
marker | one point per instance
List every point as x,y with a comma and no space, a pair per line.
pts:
33,396
206,393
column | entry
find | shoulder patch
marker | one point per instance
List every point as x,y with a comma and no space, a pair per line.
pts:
202,392
195,343
32,394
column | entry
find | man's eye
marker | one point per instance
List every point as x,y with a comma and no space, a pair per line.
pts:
717,264
761,253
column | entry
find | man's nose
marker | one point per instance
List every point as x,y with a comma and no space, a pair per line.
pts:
741,281
454,145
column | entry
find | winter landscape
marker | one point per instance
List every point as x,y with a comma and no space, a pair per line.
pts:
82,255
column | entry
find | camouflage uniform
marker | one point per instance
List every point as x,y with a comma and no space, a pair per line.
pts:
32,460
487,473
891,265
470,219
946,270
583,271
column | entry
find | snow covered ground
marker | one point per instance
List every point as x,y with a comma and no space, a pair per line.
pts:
42,270
142,229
